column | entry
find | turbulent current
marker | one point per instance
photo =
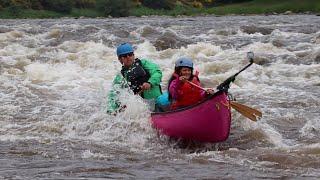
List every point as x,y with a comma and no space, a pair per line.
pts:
55,75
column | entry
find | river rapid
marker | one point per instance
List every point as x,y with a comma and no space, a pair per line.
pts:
55,75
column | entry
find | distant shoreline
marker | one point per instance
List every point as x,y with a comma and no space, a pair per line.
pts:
254,7
176,16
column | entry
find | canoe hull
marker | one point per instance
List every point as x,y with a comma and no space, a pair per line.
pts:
208,121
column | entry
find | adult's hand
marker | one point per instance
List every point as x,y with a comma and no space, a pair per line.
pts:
145,86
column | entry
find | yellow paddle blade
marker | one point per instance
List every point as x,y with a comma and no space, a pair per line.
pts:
246,111
245,107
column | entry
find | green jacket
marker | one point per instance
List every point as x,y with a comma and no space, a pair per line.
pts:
120,82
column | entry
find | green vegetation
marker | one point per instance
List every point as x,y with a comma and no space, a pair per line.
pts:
159,4
178,10
120,8
251,7
267,6
28,13
115,8
80,12
62,6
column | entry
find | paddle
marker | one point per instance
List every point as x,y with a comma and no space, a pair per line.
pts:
245,110
193,84
226,84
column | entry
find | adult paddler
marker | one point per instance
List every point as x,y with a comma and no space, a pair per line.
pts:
142,76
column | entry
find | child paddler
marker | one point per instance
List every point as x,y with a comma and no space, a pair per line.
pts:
182,86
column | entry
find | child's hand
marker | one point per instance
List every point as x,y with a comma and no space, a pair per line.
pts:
183,78
209,91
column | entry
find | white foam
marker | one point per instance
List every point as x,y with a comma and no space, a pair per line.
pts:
87,154
311,129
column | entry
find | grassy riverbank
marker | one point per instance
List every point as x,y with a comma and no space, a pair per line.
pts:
252,7
268,6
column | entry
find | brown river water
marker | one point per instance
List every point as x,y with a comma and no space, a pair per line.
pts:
55,75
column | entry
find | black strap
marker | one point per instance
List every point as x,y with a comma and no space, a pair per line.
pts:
136,75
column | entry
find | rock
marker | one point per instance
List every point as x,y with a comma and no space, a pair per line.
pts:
288,13
317,59
170,40
254,29
122,33
264,59
5,29
278,42
167,40
149,31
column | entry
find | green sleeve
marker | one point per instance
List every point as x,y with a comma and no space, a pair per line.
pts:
113,103
154,71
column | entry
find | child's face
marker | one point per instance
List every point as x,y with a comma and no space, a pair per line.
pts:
185,72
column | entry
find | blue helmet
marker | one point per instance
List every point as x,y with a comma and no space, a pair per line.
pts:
184,62
124,48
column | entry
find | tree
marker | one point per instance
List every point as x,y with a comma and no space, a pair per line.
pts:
159,4
64,6
84,3
115,8
229,1
5,3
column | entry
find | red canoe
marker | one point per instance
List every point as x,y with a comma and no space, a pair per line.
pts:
207,121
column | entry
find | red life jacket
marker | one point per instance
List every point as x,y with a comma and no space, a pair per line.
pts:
188,94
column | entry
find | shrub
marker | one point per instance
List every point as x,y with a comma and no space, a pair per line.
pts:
36,4
197,4
22,4
64,6
115,8
220,2
5,3
19,3
159,4
84,3
15,10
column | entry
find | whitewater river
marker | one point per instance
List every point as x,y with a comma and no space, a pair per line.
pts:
55,74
